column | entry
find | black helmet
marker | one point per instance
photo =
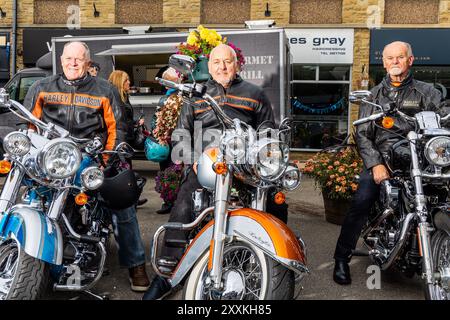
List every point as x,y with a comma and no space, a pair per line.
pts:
119,189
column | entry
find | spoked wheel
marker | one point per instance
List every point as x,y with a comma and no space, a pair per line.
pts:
22,277
9,256
440,248
247,275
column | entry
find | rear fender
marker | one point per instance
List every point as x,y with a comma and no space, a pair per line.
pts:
39,236
258,228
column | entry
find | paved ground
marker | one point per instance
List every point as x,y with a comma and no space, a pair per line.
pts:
306,216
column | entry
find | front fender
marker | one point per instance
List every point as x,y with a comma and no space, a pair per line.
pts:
261,229
39,236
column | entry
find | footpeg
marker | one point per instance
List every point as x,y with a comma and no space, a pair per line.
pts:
167,264
360,253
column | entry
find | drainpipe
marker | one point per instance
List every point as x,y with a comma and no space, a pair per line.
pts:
14,38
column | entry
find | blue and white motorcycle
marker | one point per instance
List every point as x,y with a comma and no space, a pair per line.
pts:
52,231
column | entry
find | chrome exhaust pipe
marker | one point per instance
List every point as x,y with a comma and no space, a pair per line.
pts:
386,213
400,242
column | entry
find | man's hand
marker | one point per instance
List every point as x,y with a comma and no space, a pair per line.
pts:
194,167
379,173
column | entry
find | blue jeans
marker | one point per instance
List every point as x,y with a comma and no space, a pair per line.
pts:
128,237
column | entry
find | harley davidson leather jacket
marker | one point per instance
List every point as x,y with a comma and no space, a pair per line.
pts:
86,108
242,100
410,97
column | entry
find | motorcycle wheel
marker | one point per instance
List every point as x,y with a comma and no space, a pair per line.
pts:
440,250
247,275
22,277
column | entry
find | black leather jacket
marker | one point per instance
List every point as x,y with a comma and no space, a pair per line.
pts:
242,100
86,108
410,97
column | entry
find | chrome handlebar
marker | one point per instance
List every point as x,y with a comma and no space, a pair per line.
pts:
199,90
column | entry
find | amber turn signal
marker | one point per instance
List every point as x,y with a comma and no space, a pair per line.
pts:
387,122
81,199
5,167
279,198
220,168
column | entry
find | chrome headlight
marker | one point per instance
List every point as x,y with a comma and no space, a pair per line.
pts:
205,173
17,144
92,178
272,159
291,178
437,151
60,158
234,149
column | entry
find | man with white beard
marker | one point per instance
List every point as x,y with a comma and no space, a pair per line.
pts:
410,96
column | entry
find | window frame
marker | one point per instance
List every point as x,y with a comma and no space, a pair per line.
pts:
318,81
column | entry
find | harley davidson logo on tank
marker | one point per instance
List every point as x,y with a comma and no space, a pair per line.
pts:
321,46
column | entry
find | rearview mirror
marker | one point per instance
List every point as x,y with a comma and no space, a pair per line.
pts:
4,97
359,95
182,63
125,149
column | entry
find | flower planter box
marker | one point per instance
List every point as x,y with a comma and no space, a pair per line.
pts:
335,210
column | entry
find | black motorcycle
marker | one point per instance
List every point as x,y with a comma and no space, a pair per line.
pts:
409,227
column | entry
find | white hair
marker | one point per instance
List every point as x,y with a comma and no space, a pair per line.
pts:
405,44
233,52
87,53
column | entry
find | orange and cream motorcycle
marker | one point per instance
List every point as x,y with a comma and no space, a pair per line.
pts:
236,251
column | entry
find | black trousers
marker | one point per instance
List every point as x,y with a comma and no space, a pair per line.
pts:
182,212
363,200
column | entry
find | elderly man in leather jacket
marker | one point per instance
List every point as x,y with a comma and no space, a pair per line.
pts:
87,107
239,99
410,96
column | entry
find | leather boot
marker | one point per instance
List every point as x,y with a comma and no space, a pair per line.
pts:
138,278
165,208
341,273
159,288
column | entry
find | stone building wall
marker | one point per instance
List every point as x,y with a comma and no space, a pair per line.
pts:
362,15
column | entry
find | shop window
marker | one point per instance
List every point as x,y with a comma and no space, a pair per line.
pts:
139,11
319,106
439,76
304,72
53,11
225,11
411,11
316,12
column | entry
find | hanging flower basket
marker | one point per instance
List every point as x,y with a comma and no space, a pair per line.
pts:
199,44
201,70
